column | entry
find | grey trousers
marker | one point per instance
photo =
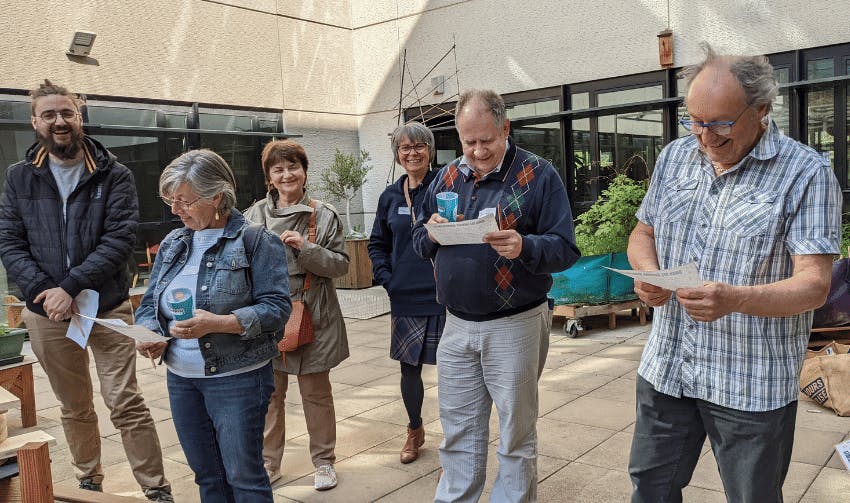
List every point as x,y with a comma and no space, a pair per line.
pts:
752,449
479,364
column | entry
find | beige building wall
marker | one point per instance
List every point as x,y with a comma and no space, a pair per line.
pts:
334,66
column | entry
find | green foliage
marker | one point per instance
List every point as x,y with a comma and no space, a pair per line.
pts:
341,181
845,234
605,226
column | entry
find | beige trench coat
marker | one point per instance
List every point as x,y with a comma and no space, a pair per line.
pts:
326,259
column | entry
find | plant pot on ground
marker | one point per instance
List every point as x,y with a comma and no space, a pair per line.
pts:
602,236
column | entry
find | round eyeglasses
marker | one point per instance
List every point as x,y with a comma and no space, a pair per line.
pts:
50,116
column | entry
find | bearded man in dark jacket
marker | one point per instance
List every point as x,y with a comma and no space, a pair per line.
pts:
68,220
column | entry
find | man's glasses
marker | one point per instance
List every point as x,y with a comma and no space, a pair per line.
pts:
418,147
49,116
720,128
176,203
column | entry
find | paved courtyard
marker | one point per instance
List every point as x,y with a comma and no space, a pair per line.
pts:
585,425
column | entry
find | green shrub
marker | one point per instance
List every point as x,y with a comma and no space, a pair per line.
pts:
605,226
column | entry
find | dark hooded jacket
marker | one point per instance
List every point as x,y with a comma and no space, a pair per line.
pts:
98,236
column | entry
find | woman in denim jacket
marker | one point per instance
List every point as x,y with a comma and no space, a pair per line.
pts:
222,294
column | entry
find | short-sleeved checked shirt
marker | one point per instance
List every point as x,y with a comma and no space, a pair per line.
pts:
741,228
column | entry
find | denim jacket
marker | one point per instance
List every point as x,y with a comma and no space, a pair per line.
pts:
256,293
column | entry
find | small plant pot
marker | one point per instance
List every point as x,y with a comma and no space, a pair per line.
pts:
11,342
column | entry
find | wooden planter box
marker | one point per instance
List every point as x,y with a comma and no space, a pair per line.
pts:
359,268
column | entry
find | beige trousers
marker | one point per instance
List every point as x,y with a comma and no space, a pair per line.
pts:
318,403
67,367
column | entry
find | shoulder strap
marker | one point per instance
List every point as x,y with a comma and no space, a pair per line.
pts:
250,238
311,237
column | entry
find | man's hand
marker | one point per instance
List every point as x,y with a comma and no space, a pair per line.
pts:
435,219
506,243
151,349
57,303
708,302
651,295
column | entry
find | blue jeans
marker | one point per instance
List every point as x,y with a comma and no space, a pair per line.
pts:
219,422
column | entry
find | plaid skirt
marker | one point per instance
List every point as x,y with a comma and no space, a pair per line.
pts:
414,339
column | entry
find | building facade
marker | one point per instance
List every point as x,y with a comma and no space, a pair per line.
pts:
581,78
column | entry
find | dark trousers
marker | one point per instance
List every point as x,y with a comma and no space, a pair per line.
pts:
752,449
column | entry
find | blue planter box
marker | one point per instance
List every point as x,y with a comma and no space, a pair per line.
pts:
588,282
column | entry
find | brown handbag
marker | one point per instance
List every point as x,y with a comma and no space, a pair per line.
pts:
299,327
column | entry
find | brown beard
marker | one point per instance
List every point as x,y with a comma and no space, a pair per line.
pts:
66,151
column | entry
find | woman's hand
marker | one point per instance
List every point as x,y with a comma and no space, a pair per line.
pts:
201,324
151,349
292,239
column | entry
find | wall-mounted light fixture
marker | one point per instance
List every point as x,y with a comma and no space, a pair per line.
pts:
82,43
665,48
438,84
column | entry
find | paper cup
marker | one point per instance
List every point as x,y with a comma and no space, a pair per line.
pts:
180,302
447,205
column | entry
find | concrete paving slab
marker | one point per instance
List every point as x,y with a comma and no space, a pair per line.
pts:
569,441
609,414
582,483
830,486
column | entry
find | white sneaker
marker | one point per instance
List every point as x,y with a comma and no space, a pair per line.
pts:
325,478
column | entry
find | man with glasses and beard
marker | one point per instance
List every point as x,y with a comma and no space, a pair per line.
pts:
68,219
760,215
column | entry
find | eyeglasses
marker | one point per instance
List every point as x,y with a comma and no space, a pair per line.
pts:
174,203
49,116
720,128
418,147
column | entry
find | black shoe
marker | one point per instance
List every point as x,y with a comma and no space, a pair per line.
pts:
160,495
89,485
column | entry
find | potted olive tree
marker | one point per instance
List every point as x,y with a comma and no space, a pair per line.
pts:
342,181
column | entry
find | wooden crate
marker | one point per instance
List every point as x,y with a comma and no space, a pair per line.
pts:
359,268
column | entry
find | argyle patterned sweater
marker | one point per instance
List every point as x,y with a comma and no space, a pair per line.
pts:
473,281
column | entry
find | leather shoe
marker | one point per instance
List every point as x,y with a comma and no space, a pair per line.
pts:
415,439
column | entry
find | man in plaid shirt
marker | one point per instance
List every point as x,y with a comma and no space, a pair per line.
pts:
760,214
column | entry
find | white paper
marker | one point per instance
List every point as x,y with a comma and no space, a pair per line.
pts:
843,450
137,332
685,276
466,232
79,329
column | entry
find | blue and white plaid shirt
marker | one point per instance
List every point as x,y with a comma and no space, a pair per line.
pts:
741,228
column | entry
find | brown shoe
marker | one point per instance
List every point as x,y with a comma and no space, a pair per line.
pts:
415,439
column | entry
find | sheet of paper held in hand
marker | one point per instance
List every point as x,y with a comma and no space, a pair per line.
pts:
466,232
137,332
685,276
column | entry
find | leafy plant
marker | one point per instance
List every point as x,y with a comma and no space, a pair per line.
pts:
341,181
605,226
845,234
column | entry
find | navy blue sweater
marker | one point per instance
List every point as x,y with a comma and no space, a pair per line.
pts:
473,281
408,278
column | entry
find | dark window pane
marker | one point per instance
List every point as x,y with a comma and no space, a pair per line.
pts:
179,120
243,156
820,68
225,122
15,110
636,95
121,116
781,112
820,119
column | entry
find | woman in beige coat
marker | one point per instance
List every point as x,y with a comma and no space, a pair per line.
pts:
286,212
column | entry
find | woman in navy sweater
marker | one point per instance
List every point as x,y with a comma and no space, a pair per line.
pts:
417,319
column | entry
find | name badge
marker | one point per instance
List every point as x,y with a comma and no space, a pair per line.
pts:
403,210
486,211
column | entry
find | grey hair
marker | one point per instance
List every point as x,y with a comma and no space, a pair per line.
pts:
207,174
417,133
491,100
754,73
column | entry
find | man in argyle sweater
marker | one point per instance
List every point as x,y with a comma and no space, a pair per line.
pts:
496,335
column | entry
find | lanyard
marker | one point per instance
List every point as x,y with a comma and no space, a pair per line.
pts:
409,203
